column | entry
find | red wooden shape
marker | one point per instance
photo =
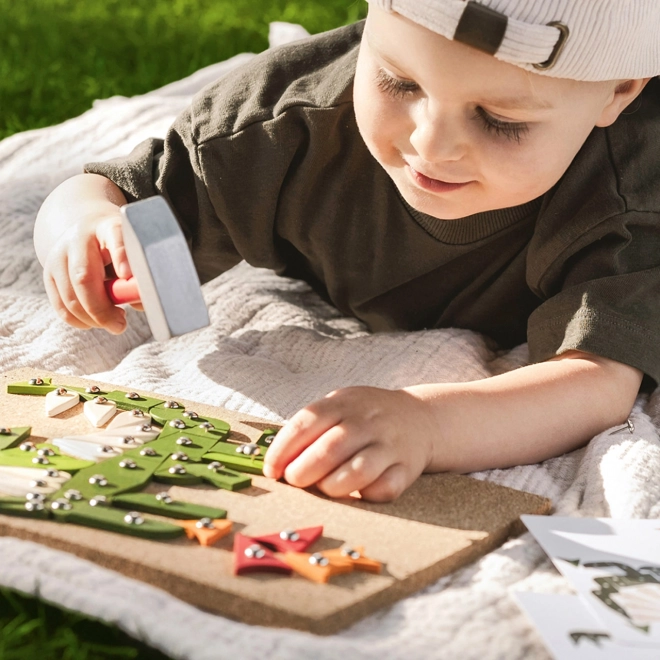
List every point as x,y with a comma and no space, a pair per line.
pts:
306,537
243,564
122,291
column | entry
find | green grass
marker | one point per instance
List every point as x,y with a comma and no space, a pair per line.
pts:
56,57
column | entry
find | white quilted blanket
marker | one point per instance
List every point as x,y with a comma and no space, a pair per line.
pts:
272,347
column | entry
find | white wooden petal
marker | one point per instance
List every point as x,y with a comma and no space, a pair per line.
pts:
87,451
125,423
18,484
99,413
28,474
105,438
127,418
58,403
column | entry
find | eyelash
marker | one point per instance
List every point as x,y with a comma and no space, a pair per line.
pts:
398,89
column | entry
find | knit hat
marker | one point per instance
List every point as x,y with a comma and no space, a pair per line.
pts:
577,39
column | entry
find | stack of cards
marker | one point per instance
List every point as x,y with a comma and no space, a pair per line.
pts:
614,566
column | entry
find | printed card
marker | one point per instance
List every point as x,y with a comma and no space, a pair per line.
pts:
571,631
614,566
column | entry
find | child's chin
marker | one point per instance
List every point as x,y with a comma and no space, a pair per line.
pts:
442,207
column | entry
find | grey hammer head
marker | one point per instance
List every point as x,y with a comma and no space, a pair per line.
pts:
159,257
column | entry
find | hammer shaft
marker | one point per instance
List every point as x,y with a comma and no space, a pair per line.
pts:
122,292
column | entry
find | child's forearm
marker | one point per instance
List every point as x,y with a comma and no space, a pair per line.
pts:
527,415
83,197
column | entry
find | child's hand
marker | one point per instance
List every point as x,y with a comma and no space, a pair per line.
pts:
75,270
367,439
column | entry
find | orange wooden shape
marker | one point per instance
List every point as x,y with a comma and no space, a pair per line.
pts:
362,563
299,562
204,535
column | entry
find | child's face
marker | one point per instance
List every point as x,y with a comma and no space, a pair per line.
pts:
459,131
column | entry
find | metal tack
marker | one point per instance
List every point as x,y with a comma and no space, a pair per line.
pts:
98,500
128,463
165,498
106,449
73,495
132,395
184,441
38,483
216,466
177,469
5,431
26,446
61,391
40,460
207,426
145,428
36,381
133,518
34,497
289,535
98,480
255,552
45,451
61,505
50,472
171,404
136,412
349,552
94,389
34,506
100,400
177,424
204,523
179,456
317,559
148,451
190,414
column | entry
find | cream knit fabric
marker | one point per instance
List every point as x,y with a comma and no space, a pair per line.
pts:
608,40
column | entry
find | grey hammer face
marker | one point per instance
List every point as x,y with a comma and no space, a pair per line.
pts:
159,257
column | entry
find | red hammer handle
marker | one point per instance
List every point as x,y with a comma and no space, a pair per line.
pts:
122,292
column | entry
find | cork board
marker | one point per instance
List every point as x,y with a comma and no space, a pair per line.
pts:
441,523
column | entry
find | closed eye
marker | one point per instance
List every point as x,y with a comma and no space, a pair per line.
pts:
395,87
512,130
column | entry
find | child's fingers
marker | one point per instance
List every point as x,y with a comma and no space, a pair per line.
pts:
87,274
297,434
324,455
389,485
358,472
59,306
110,238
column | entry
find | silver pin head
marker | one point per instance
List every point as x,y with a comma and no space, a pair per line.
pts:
207,426
204,523
216,466
61,391
248,450
171,404
255,552
34,506
184,441
38,483
73,495
145,428
177,469
132,395
137,413
36,381
190,414
98,500
94,389
34,497
40,460
100,400
165,498
98,480
289,535
129,440
133,518
148,451
177,424
179,456
5,431
128,464
52,473
45,451
26,446
106,449
61,505
317,559
349,552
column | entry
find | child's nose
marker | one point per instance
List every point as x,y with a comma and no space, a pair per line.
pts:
437,138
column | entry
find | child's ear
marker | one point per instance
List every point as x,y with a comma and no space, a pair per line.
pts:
623,95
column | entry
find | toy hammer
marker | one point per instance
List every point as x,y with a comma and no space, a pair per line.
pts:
164,277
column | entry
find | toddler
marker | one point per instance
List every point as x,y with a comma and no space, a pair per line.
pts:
489,165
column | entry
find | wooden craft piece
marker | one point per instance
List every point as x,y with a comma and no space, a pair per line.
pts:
11,437
250,557
356,556
37,386
234,457
266,439
135,423
132,400
18,482
176,474
99,410
317,567
112,520
441,523
171,411
89,392
60,400
163,505
206,530
290,540
50,476
193,445
219,476
40,456
19,506
86,450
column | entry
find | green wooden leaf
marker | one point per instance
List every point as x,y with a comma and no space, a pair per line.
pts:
86,396
221,478
164,476
227,455
24,387
14,436
143,403
266,439
16,457
148,503
163,415
113,520
15,506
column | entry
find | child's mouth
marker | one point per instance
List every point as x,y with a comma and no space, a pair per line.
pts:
433,185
